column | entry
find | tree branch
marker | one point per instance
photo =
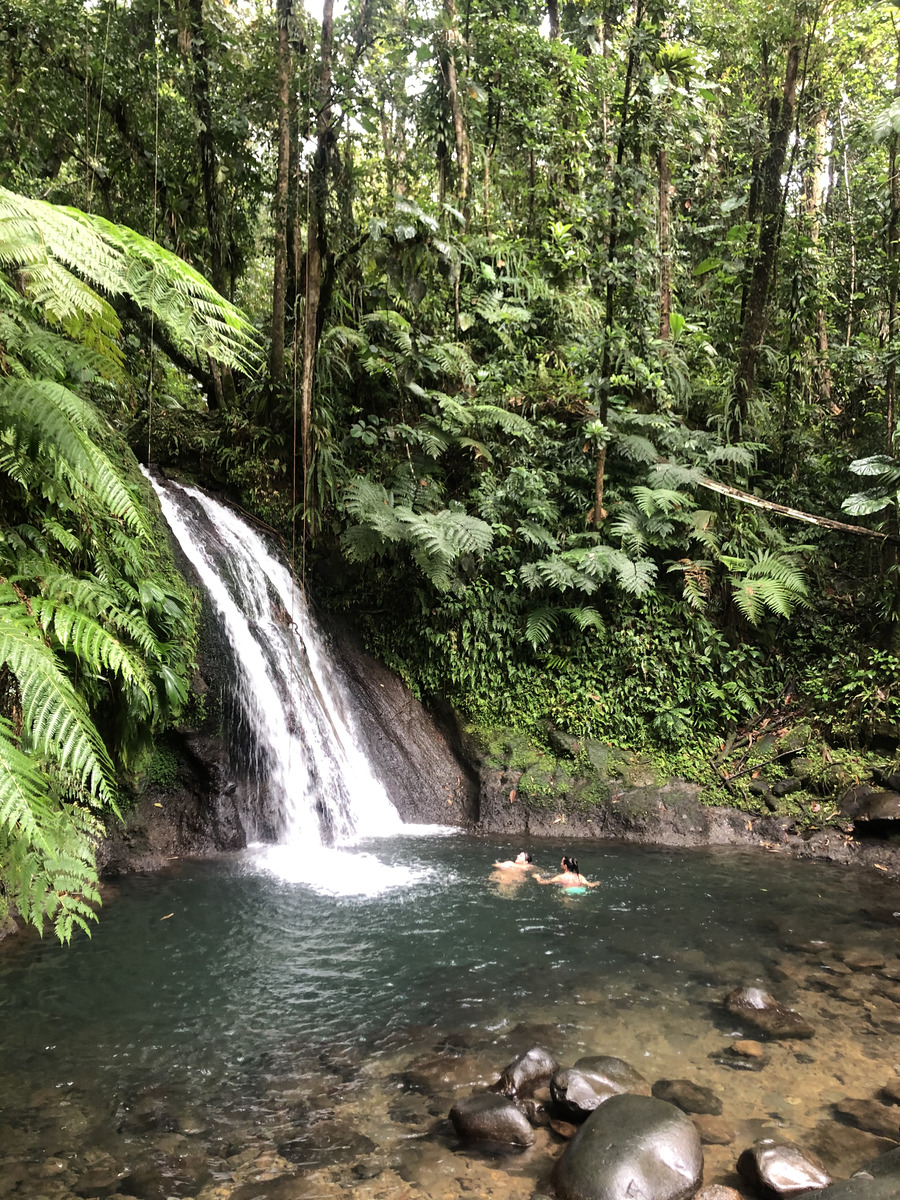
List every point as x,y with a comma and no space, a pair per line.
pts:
795,514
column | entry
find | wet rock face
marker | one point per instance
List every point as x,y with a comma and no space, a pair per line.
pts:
529,1071
633,1146
414,753
781,1169
756,1007
491,1118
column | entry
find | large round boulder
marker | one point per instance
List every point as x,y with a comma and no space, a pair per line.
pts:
782,1168
756,1007
634,1146
529,1071
488,1117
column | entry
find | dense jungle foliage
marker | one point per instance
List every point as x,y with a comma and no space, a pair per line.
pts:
580,328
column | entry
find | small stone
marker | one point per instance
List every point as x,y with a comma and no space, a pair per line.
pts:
491,1118
714,1131
755,1006
891,1091
718,1191
747,1048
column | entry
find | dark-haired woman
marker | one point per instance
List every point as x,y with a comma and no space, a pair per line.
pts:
569,877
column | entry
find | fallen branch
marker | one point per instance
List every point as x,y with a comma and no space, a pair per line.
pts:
795,514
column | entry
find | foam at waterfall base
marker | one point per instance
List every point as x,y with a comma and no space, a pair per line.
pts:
332,872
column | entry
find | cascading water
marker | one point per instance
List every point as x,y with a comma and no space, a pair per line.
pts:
296,732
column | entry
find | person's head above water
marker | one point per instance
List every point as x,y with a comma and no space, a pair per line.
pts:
570,864
523,857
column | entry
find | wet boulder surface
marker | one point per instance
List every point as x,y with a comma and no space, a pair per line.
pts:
781,1169
528,1072
632,1146
489,1118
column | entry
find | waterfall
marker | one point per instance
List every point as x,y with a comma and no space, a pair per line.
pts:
295,732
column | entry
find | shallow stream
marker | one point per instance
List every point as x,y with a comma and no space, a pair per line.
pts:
228,1032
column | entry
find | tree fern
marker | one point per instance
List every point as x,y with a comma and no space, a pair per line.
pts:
768,582
82,594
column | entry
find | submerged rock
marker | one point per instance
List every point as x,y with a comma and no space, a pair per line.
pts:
782,1168
755,1006
488,1117
634,1146
689,1097
714,1131
877,1180
528,1072
881,1119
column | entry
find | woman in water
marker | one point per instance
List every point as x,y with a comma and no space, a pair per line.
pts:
569,877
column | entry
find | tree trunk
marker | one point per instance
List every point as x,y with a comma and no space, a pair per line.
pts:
207,146
553,16
611,256
279,276
781,122
451,84
316,240
816,188
665,251
890,382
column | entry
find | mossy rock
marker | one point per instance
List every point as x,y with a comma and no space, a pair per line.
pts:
634,769
548,784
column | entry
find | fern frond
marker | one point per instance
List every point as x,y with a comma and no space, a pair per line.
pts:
540,624
55,717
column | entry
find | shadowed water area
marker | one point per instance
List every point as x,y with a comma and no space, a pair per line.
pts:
226,1029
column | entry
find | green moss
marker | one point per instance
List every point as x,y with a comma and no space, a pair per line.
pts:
162,770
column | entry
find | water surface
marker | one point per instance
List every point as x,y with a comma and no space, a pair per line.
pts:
221,1010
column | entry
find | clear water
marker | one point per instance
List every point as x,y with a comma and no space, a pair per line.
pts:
222,1012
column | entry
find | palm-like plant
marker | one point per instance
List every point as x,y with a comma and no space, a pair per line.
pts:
96,628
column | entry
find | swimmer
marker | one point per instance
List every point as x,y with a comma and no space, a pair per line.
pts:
522,862
569,877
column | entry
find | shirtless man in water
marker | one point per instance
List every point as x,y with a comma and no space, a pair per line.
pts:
522,862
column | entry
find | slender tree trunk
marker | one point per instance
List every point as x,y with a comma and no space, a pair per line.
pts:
553,16
665,250
850,222
893,260
599,513
282,177
815,188
316,239
451,84
223,386
781,122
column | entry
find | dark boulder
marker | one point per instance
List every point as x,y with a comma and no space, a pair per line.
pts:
781,1169
634,1146
576,1094
529,1071
877,1180
617,1074
489,1118
689,1097
863,804
756,1007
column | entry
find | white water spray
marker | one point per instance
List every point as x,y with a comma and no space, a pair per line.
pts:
301,742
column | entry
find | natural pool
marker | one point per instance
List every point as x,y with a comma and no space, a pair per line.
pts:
229,1033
